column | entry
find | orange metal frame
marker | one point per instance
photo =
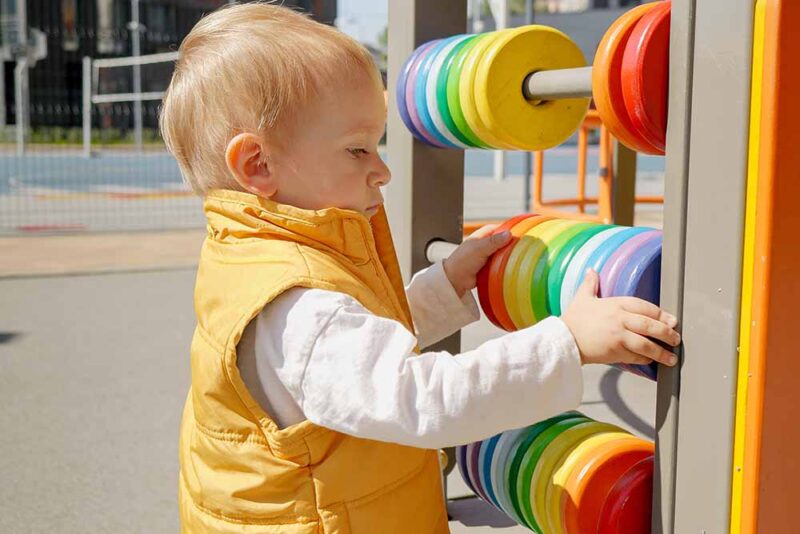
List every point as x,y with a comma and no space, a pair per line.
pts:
560,207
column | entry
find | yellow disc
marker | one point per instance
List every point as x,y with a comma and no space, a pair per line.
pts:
542,238
467,92
562,445
553,519
520,257
503,108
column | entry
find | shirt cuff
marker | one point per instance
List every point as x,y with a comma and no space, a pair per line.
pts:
433,299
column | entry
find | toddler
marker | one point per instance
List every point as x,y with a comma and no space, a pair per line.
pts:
311,407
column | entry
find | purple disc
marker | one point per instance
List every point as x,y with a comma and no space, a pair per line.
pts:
461,460
411,84
473,450
400,95
641,278
615,264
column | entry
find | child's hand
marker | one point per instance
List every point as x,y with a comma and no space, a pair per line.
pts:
616,329
462,266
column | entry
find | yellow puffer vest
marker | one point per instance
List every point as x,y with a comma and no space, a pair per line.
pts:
239,472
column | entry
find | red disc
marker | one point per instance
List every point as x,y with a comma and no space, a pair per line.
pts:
599,482
607,84
483,275
629,505
645,75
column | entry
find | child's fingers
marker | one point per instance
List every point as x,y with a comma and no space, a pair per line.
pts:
590,284
642,307
649,349
645,326
483,231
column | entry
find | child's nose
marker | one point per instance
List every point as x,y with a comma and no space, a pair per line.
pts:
381,175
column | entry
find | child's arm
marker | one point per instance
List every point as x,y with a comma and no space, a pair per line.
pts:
352,371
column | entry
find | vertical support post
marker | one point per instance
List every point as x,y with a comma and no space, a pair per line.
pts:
527,164
500,14
87,106
679,133
137,74
425,199
624,193
21,78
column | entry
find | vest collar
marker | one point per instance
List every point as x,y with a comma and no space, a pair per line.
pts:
235,216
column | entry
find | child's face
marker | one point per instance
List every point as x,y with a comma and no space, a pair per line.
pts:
331,157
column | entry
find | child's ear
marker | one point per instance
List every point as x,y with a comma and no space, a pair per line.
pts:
247,157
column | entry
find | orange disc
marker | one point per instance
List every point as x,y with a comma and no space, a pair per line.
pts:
497,266
607,83
483,278
497,276
587,487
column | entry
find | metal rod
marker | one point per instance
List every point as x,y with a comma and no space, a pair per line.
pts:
558,84
137,74
438,250
87,107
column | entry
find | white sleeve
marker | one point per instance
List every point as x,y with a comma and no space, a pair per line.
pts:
436,308
352,371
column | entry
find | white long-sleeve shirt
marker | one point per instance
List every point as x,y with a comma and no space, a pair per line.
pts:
320,355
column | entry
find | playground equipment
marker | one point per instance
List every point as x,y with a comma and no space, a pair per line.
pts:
726,423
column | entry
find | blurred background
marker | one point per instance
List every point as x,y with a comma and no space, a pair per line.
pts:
99,240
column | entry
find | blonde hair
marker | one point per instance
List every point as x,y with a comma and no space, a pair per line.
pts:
248,68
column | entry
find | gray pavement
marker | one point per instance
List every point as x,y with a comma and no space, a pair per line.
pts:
94,375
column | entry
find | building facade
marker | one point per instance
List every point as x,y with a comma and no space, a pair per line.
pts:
73,29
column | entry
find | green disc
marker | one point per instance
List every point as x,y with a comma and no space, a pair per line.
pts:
539,284
453,95
561,263
441,91
528,465
512,471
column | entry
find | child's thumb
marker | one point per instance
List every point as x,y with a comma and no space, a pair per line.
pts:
590,285
498,240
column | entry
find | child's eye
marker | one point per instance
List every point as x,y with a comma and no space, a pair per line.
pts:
357,151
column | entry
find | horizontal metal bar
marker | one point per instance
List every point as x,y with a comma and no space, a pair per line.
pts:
127,97
439,250
558,84
135,60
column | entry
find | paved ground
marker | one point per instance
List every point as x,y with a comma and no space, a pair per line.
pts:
95,370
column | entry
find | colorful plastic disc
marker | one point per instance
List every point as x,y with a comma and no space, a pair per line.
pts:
431,95
529,462
483,275
501,278
600,256
467,93
518,452
588,484
484,466
645,75
539,287
454,91
503,108
499,461
473,450
400,94
494,268
461,461
628,507
411,84
421,95
607,82
519,288
620,258
441,93
574,277
565,466
552,455
561,263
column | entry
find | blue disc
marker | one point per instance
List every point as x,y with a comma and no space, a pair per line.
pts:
461,461
421,94
400,94
600,256
485,465
641,278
